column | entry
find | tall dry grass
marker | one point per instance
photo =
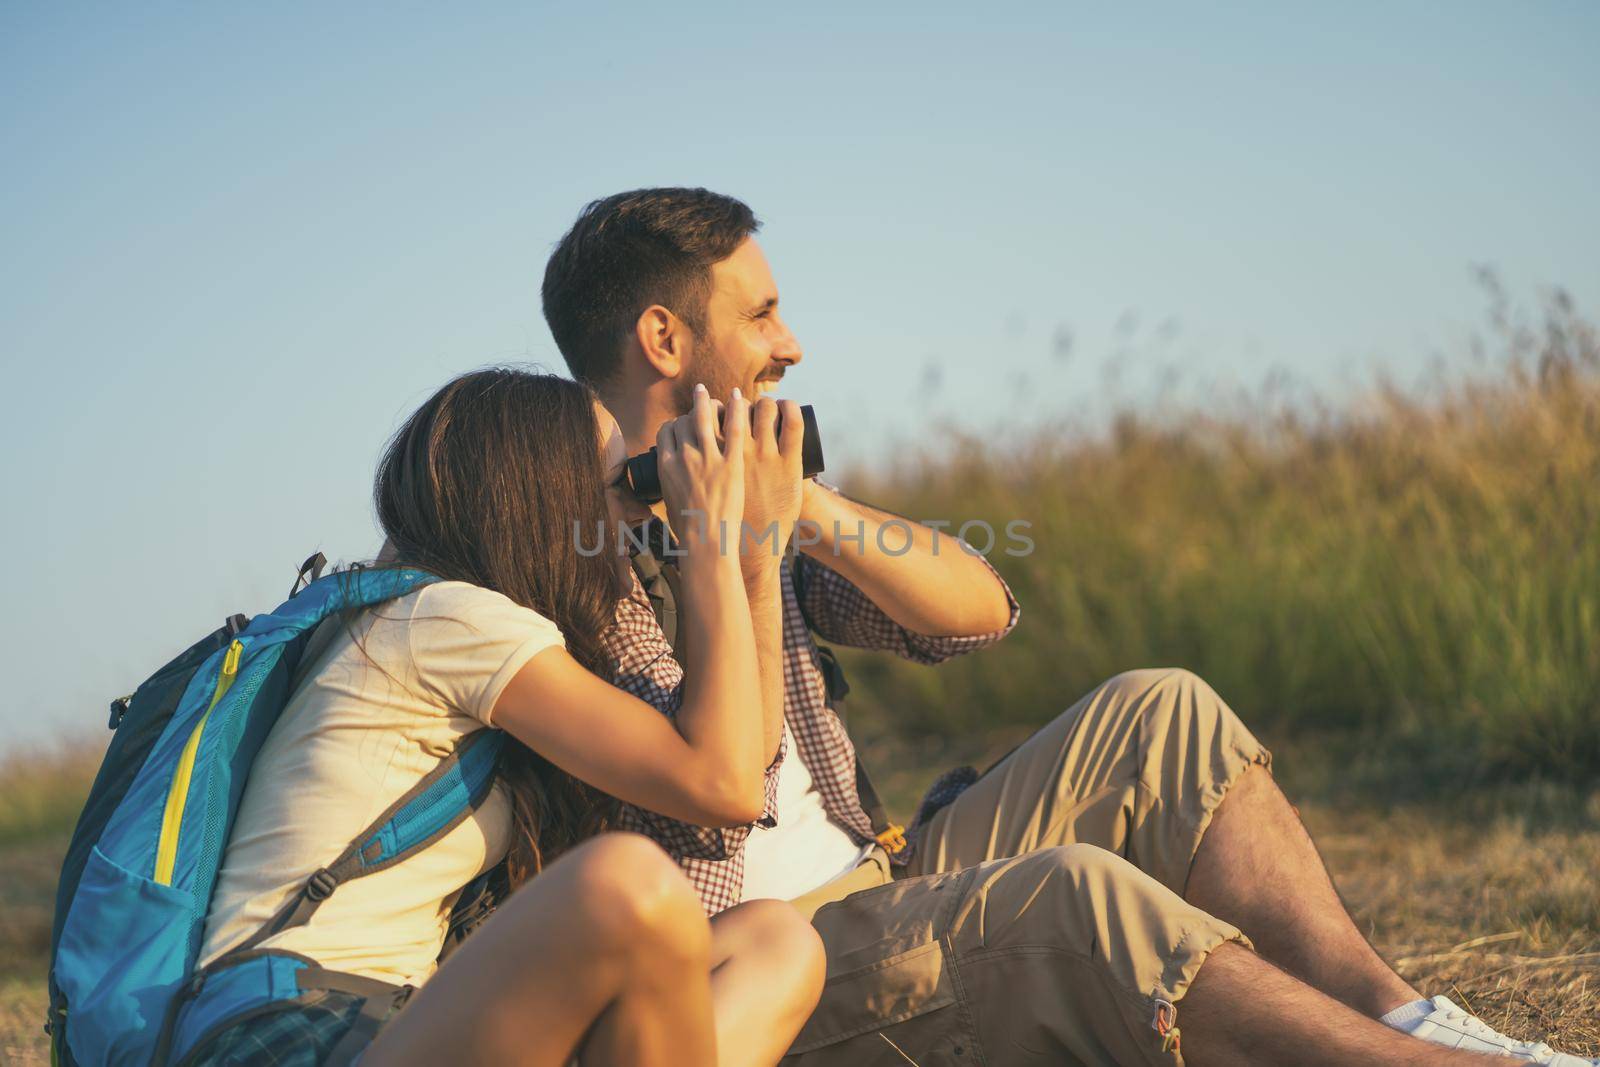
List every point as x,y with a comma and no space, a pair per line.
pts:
42,789
1414,577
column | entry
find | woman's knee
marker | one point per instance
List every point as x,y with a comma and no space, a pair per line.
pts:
777,948
631,899
774,928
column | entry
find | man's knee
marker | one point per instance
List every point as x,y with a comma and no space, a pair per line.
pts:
1066,895
1155,681
1074,877
1080,865
1167,696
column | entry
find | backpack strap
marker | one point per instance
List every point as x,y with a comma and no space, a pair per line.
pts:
427,811
379,1000
475,906
889,834
662,584
245,985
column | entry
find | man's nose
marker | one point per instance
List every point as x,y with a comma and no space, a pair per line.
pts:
787,350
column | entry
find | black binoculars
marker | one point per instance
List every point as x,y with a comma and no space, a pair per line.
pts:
644,480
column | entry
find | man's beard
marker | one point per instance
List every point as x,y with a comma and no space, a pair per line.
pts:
704,366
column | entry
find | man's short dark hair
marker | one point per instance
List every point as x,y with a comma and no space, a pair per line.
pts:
627,252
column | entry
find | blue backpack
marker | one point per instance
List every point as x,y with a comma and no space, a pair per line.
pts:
137,880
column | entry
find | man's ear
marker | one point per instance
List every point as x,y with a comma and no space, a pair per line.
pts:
664,339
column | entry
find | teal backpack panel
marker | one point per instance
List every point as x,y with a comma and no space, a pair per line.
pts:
135,891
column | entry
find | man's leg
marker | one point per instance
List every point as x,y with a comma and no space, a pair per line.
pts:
1257,868
1242,1009
1071,956
1154,766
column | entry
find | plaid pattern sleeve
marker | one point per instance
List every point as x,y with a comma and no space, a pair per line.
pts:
840,612
712,857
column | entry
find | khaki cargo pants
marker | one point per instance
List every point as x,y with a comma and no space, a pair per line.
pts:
1041,920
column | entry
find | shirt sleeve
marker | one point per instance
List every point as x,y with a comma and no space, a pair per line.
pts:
646,667
468,642
840,612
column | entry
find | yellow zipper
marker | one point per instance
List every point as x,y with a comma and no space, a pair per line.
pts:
178,795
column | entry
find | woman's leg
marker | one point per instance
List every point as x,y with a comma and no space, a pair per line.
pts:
607,951
767,970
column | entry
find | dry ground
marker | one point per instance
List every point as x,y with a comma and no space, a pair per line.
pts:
1499,916
1502,919
27,887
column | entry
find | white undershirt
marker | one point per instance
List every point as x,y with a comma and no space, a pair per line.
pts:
806,849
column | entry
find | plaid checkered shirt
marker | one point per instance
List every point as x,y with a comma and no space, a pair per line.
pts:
817,598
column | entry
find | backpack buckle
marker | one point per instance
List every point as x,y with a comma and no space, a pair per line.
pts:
893,839
119,708
321,884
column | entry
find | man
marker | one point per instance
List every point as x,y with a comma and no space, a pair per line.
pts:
1110,875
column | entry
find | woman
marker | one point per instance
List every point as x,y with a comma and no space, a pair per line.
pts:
606,956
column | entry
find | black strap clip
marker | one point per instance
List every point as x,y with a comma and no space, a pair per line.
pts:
321,884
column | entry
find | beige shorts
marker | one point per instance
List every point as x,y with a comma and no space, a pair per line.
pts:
1041,921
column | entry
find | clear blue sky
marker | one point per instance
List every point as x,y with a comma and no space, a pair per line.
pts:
239,242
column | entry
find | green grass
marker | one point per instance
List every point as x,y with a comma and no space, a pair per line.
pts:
1415,577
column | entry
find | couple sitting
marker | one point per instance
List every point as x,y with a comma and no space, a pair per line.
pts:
1127,886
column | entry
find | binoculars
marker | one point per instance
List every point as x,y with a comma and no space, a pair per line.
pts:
643,479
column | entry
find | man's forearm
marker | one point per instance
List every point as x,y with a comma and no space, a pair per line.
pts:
921,578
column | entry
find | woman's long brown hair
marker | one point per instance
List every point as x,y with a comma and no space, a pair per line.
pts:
487,483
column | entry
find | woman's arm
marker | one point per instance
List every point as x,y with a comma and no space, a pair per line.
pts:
707,775
705,767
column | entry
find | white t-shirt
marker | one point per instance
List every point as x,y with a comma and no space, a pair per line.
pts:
806,849
359,730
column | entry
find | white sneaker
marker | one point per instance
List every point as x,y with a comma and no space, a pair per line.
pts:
1452,1027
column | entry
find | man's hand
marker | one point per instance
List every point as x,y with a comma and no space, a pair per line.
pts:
772,479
